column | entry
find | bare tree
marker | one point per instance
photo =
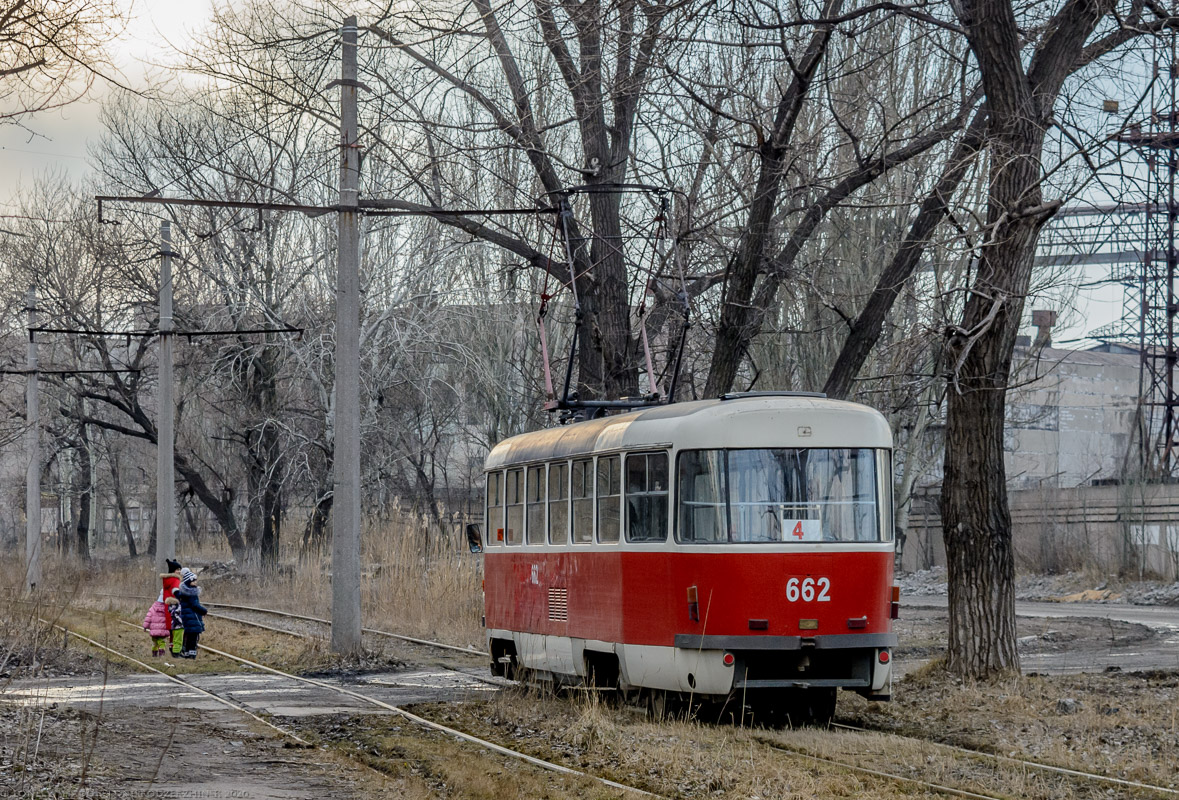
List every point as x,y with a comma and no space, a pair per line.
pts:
1023,78
51,52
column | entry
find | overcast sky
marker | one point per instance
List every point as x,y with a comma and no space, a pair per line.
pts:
60,137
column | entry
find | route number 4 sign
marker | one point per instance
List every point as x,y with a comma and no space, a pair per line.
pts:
802,530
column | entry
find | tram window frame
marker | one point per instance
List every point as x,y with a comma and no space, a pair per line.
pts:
495,523
724,482
885,492
560,470
535,504
581,499
637,502
514,504
607,520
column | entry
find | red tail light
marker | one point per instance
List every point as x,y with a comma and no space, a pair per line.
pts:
884,657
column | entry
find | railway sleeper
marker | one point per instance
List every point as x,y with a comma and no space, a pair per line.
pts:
771,708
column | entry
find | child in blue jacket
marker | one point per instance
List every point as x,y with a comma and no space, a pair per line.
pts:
191,612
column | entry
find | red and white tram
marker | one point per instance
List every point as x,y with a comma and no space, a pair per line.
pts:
735,550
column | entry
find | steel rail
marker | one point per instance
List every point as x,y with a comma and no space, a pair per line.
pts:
950,790
497,682
1093,776
266,627
427,642
174,679
408,715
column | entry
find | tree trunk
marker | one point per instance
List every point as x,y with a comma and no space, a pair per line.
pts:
220,505
83,476
121,503
976,519
315,534
738,321
271,527
976,527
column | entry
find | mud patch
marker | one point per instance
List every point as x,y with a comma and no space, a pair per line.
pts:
1060,644
159,753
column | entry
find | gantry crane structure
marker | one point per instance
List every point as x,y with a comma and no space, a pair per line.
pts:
1137,240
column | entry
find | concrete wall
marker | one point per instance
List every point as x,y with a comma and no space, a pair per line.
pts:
1131,530
1069,417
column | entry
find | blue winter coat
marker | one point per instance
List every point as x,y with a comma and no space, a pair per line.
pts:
191,610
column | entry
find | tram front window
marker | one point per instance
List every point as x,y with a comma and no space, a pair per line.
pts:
777,495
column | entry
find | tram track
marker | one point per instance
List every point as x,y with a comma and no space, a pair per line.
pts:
373,631
462,735
1022,763
409,716
776,746
965,751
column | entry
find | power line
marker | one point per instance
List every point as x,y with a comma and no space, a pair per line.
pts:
66,371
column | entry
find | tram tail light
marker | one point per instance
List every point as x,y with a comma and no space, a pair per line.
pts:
728,659
894,611
883,657
693,604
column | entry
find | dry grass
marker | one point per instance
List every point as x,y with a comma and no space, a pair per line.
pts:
415,581
671,759
1122,725
697,759
431,765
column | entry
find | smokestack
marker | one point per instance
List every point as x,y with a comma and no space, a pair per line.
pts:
1043,320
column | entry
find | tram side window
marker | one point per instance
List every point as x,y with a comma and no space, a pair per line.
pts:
646,497
559,503
582,492
534,507
495,508
514,505
609,498
702,513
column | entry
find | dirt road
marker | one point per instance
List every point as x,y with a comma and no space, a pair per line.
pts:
1055,637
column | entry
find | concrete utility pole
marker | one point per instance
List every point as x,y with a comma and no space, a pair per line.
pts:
33,475
346,504
165,439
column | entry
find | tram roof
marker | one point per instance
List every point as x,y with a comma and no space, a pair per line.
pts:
771,420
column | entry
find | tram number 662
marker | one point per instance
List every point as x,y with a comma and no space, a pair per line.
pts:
808,590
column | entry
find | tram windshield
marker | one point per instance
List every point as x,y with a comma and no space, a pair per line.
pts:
778,495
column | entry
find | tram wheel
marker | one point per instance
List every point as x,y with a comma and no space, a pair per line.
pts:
813,707
661,705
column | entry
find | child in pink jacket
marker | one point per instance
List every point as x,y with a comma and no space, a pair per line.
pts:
158,625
